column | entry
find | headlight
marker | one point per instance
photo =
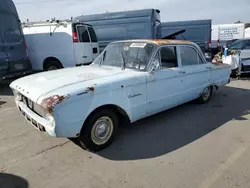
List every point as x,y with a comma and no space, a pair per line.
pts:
17,95
50,118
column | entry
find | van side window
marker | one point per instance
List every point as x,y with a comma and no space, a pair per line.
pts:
92,34
83,34
188,56
10,29
168,57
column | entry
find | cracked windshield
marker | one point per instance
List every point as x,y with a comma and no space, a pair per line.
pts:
124,94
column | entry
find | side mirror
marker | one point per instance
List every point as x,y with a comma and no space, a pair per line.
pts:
155,66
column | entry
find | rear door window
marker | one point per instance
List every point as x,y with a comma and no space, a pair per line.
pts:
83,33
92,34
189,56
10,29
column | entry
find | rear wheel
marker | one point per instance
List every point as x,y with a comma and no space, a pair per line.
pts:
206,95
99,130
53,65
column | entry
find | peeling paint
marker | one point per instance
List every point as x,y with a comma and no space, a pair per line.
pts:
91,88
166,41
50,102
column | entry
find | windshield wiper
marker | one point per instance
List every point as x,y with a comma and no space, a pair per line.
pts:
123,61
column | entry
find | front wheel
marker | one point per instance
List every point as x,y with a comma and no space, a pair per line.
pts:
206,95
99,130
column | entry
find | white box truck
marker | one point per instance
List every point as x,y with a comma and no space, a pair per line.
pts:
58,44
221,34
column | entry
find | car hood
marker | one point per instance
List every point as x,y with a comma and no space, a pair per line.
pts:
40,84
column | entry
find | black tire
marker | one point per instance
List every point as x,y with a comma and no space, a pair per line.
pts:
52,65
206,95
234,73
86,137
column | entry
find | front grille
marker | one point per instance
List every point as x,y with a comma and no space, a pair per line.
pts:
33,106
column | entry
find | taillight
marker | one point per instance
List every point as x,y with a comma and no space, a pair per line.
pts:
75,37
209,43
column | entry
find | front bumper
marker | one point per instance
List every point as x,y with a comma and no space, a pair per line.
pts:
37,121
8,76
245,68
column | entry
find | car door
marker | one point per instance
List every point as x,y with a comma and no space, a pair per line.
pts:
83,48
94,43
166,86
197,71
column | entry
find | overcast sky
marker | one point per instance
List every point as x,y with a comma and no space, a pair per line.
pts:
220,11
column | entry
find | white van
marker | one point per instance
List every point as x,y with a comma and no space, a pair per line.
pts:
59,44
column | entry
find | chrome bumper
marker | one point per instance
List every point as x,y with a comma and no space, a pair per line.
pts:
37,121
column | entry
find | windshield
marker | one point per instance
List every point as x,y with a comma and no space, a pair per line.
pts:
237,45
127,55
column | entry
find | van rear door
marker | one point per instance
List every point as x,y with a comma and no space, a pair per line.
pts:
82,44
94,42
14,43
4,65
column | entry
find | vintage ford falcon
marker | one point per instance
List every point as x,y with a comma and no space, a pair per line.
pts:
130,79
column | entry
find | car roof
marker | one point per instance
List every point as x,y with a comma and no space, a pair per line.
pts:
242,39
159,42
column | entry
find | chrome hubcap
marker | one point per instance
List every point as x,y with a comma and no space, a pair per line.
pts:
206,93
102,130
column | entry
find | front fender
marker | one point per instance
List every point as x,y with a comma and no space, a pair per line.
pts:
73,112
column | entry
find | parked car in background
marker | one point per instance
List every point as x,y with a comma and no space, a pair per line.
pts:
242,45
59,44
229,42
124,25
130,79
14,60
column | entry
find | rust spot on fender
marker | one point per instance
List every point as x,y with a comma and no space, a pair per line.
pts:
91,88
50,102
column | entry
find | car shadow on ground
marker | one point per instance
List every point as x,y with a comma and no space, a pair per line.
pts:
5,90
2,102
12,181
170,130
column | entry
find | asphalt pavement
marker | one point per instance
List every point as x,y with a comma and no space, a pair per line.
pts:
190,146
